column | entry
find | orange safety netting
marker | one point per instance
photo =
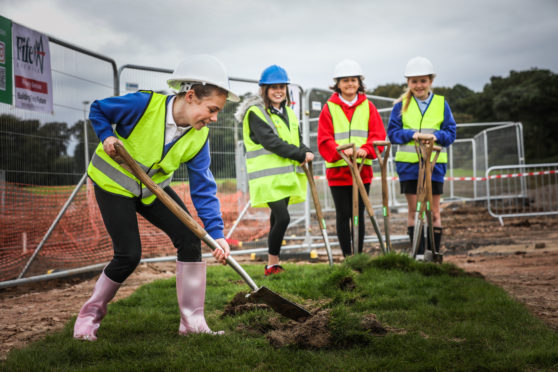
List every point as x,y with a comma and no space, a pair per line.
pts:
80,238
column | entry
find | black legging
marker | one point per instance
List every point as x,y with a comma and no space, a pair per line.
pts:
278,222
119,216
343,200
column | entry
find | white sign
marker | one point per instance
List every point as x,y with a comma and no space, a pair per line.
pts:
132,87
316,105
32,74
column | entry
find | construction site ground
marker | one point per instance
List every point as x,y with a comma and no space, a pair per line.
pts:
521,257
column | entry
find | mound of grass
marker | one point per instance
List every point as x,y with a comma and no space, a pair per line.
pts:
385,313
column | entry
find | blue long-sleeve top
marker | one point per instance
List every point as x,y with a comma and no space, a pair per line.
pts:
397,135
125,111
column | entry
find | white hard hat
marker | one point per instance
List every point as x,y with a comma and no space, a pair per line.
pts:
204,69
419,66
347,67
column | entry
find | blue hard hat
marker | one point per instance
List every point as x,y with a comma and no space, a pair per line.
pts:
274,75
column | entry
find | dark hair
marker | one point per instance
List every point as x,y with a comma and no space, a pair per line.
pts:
205,90
267,102
361,86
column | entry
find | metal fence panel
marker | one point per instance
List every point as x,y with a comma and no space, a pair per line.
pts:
522,190
43,158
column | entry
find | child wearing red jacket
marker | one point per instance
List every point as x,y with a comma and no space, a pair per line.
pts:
348,117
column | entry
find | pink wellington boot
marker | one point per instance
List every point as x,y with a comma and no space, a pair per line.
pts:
190,290
94,310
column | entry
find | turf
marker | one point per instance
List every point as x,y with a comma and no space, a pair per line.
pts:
435,317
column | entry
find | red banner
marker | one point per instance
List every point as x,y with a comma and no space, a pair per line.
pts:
31,84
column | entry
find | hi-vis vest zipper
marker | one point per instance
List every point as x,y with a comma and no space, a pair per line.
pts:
270,176
146,145
428,123
355,131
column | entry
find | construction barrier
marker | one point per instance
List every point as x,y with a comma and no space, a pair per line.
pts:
522,190
44,155
80,237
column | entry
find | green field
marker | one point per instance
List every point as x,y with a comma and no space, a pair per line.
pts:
432,317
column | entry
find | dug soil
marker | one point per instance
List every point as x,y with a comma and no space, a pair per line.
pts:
521,257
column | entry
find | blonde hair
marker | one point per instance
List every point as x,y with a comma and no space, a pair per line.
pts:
406,98
407,95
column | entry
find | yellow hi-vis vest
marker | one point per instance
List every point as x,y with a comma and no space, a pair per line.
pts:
428,123
146,145
270,176
355,131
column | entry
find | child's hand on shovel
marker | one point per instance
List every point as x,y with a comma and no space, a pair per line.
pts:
348,152
361,153
309,158
424,137
223,252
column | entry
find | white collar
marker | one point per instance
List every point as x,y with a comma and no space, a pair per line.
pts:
349,103
172,130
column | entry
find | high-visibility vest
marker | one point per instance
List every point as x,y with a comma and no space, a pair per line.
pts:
345,132
146,145
270,176
428,123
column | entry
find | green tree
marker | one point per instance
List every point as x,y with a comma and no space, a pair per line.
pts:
389,90
77,132
530,97
35,153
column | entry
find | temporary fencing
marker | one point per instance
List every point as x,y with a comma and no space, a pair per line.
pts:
80,237
522,190
499,143
43,157
32,193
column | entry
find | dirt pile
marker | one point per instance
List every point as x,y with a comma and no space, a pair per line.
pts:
314,333
242,303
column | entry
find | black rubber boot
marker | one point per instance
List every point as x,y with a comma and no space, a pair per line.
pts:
411,233
439,257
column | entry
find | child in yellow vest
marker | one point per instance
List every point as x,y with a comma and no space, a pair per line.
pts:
421,111
274,153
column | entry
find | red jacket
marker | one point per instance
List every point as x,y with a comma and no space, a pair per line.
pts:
341,176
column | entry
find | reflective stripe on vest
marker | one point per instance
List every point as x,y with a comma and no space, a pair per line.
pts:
270,176
274,172
126,182
354,132
428,123
146,145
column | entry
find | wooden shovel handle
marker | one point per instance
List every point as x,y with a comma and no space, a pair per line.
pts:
351,161
314,191
423,136
181,213
345,147
161,194
381,143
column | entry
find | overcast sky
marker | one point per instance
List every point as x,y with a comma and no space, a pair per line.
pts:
467,41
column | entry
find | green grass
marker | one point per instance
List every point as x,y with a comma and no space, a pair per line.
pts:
438,318
464,172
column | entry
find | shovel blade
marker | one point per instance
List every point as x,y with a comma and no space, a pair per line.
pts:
281,305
